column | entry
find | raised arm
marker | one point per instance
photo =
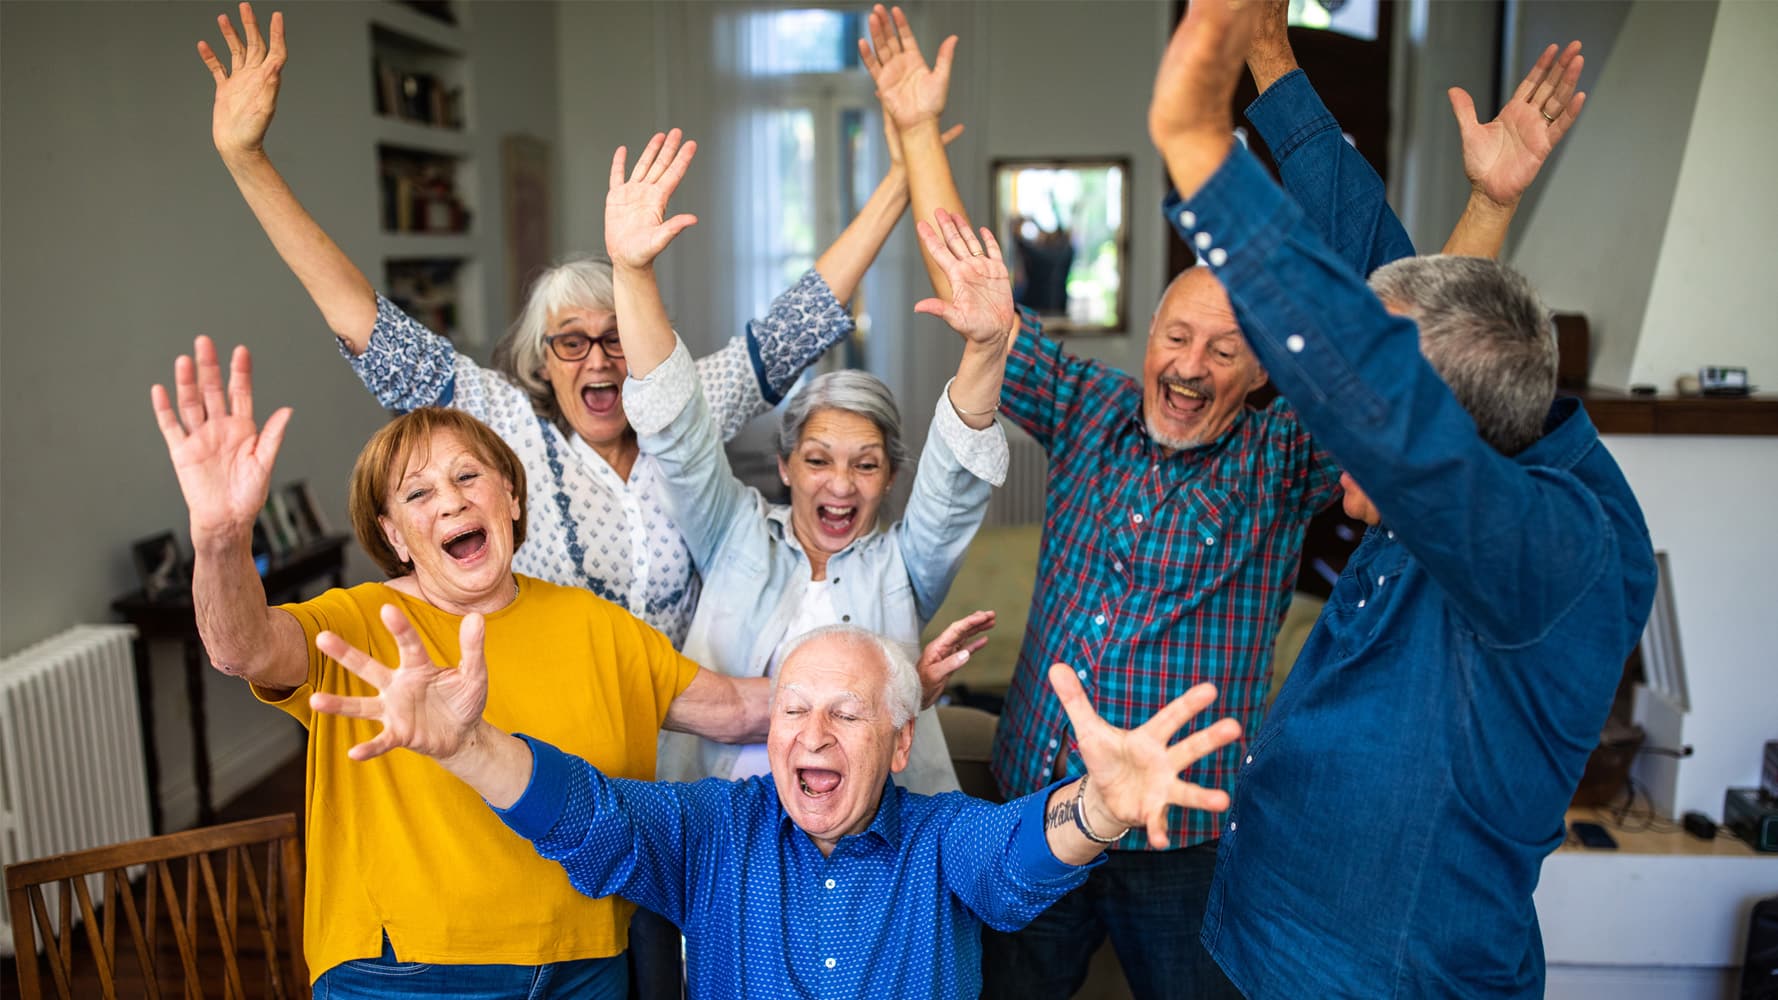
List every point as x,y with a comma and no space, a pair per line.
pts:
1502,157
224,464
1341,196
913,97
636,231
246,97
980,310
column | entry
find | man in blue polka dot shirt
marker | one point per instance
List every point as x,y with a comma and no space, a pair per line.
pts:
825,878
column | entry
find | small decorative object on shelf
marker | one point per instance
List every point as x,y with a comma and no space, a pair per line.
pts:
420,192
161,569
428,291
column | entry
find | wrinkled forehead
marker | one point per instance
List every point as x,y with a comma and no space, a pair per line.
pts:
832,668
442,448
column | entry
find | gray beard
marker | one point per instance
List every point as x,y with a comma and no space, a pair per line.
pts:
1167,440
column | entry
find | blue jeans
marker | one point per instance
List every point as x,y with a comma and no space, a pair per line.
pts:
375,978
1151,903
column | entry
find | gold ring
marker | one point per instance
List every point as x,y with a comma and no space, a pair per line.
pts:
1547,116
978,253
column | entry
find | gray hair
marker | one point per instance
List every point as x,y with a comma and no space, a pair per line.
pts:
851,392
1486,333
581,282
901,688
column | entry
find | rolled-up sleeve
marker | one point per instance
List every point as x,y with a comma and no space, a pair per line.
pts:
405,366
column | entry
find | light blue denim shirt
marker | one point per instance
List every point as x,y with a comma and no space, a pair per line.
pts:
755,571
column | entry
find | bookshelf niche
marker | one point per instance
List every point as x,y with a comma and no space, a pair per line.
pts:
426,171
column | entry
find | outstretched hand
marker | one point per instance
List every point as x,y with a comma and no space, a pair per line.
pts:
423,707
911,91
222,458
981,306
1502,157
246,92
636,226
1135,773
946,654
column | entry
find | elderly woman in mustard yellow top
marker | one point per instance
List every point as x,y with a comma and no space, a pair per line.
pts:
413,885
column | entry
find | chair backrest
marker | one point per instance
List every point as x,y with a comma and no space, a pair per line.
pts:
261,879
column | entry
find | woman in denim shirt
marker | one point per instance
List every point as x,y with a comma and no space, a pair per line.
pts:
773,572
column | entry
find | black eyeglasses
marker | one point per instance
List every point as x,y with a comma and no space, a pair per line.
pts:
576,346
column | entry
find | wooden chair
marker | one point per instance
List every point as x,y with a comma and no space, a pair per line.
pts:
261,867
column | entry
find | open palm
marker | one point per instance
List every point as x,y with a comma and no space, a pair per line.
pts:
1136,772
636,225
910,90
222,458
247,92
981,306
1502,157
423,707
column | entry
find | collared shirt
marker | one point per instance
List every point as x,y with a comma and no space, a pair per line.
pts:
586,526
1393,811
1160,569
895,911
755,571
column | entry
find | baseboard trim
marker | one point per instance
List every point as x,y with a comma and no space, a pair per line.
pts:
233,769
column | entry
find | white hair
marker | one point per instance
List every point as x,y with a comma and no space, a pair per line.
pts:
901,687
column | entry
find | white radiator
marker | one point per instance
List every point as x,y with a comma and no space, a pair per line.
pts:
71,771
1020,501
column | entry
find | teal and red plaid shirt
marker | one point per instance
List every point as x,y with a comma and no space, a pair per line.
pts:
1158,570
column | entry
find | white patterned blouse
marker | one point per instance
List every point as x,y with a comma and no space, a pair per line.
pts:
586,526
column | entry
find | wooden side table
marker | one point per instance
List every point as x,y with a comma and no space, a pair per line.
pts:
173,617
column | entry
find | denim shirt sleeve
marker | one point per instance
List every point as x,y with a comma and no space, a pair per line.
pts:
1341,196
673,423
609,835
948,502
1513,546
752,372
997,861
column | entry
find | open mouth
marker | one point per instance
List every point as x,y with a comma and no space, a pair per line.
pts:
836,522
817,782
600,398
467,545
1183,400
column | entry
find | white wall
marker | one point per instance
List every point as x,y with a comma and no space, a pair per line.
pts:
1710,297
1591,240
1708,505
123,238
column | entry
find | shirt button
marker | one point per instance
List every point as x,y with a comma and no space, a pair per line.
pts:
1379,581
1203,241
1118,565
1249,758
1209,540
1187,218
1361,603
1053,744
836,579
1391,534
1137,518
1219,257
1231,830
1294,343
829,883
1098,619
830,963
1082,673
845,618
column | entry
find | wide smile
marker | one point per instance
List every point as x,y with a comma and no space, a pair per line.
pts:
601,399
467,546
836,521
818,783
1182,402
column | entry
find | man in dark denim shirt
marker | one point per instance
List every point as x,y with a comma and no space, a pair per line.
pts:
1391,815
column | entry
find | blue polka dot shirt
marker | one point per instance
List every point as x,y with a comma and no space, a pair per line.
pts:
895,911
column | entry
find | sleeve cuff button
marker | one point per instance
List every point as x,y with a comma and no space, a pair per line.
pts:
1294,343
1219,257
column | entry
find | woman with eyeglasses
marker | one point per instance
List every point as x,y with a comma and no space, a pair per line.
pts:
555,390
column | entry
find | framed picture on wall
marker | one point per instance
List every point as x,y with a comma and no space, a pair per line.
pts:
305,517
1064,225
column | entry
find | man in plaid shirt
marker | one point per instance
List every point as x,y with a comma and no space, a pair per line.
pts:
1173,525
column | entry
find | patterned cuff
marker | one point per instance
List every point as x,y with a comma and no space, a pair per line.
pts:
405,366
803,323
981,452
653,401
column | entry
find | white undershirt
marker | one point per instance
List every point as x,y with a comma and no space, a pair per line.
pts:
813,611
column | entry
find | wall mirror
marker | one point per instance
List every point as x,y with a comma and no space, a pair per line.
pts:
1064,226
